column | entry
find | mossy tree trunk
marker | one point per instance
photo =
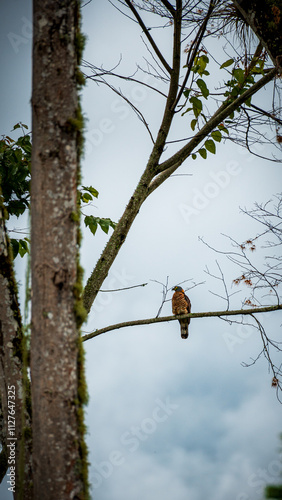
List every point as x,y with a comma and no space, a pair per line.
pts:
14,388
55,346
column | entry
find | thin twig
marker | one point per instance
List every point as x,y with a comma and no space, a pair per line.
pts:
121,289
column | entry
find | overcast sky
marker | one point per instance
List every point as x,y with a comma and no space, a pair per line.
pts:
167,418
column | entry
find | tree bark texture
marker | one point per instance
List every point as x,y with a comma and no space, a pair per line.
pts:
54,339
15,430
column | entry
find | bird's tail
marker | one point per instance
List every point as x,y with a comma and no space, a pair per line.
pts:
184,329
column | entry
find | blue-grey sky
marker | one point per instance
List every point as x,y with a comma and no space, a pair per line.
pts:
167,418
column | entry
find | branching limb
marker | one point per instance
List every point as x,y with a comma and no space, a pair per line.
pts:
193,51
220,115
165,290
180,316
222,279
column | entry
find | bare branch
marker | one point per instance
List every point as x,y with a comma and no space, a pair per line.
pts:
121,289
163,319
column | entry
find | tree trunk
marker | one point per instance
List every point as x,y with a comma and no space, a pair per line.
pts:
57,449
16,424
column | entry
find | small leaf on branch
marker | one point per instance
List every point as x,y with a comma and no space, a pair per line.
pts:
91,190
203,87
210,146
92,222
23,247
186,92
227,63
86,197
197,105
193,124
239,74
203,153
15,247
216,135
186,111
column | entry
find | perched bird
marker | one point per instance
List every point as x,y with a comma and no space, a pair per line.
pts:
181,305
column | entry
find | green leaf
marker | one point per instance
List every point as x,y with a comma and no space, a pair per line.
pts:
216,135
186,92
91,190
86,197
193,124
200,64
104,224
91,222
203,153
210,146
23,125
203,87
197,105
227,63
15,247
16,126
194,156
239,75
186,111
23,248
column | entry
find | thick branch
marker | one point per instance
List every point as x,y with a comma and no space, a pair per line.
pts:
149,321
169,166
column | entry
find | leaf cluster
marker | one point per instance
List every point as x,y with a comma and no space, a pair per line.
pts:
85,195
241,80
93,222
20,247
15,168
